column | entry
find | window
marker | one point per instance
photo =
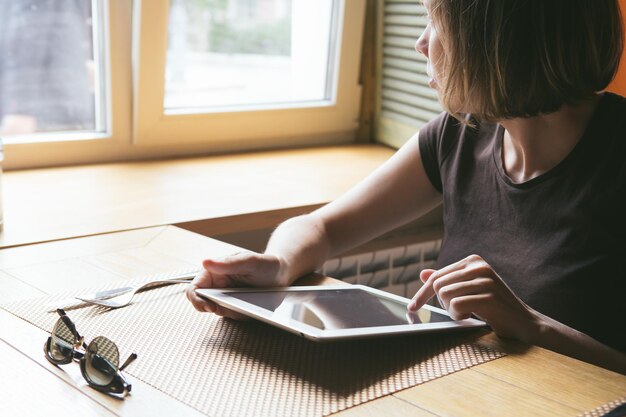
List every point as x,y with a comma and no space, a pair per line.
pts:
288,79
74,86
154,78
405,101
225,55
51,69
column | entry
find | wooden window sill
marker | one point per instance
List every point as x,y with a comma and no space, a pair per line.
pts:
211,195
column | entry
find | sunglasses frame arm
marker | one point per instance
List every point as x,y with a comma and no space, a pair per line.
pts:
77,343
70,325
128,361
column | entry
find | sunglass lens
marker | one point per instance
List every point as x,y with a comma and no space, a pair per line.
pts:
61,342
101,361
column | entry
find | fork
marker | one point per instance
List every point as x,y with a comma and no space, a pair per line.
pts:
121,297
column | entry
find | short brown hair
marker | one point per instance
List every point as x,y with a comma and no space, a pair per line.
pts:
521,58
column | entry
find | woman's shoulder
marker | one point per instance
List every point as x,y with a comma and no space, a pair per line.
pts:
613,102
605,147
612,122
456,126
612,110
447,132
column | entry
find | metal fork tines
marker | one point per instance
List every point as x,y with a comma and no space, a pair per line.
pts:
121,297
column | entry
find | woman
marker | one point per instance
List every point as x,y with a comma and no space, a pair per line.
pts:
528,160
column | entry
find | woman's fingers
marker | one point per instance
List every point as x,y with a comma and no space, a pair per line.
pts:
204,305
244,269
472,287
463,307
466,269
237,263
425,293
199,303
224,312
458,285
429,277
426,273
454,290
239,269
417,302
203,280
206,279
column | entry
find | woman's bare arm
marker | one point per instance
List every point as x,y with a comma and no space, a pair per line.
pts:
397,192
394,194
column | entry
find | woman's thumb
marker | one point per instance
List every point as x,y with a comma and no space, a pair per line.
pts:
232,264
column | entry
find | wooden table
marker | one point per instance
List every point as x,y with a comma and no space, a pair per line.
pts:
529,381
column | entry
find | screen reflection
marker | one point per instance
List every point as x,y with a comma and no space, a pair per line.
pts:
338,309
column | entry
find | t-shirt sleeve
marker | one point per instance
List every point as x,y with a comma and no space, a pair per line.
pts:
430,137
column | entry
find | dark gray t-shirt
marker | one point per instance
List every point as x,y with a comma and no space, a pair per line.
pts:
558,240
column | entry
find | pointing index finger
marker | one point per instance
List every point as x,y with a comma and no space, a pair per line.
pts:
425,293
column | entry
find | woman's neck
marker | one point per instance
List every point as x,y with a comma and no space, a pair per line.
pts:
533,146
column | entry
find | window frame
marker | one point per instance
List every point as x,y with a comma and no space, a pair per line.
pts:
65,148
134,133
298,124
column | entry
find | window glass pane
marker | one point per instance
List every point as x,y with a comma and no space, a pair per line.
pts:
49,70
248,52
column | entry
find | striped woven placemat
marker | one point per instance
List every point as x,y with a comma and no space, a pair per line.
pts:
604,409
226,368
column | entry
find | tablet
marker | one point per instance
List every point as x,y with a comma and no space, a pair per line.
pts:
335,312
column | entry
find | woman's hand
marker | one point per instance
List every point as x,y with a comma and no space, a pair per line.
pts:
242,269
471,286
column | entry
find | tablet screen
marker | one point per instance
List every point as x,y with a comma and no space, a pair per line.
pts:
338,309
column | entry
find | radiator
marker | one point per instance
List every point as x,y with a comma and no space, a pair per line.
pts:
395,270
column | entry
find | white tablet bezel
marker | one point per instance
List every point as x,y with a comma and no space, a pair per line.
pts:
220,297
